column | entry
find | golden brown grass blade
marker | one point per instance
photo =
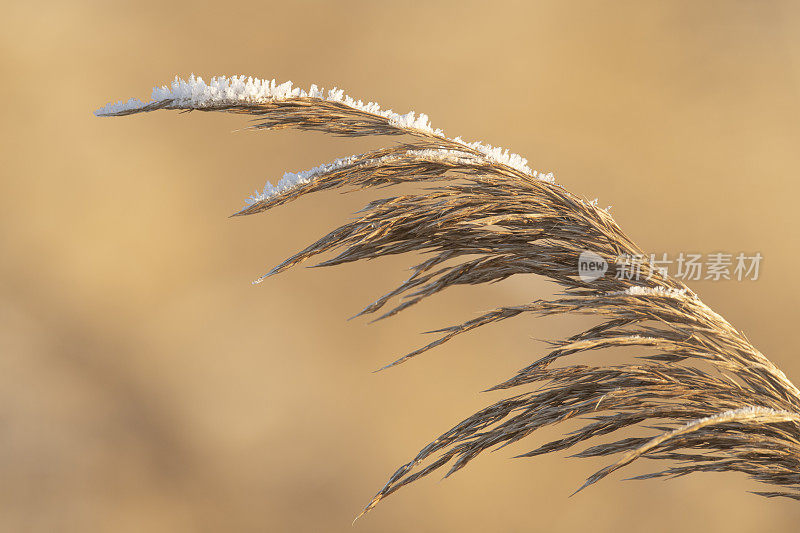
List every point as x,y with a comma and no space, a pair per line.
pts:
485,216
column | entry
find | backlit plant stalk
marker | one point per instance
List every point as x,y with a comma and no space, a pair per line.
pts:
702,396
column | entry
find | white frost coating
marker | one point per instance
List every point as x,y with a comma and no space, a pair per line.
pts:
294,179
195,93
507,158
744,411
638,290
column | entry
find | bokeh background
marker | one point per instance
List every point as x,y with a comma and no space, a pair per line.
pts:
145,385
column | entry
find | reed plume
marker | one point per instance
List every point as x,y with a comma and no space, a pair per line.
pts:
703,397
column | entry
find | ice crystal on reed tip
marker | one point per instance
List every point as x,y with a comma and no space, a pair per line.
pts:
744,412
638,290
749,410
291,180
195,93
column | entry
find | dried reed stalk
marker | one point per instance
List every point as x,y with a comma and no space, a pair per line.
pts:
709,399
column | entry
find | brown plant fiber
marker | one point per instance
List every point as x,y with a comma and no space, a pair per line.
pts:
706,398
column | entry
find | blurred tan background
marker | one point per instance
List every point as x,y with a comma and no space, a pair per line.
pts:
145,385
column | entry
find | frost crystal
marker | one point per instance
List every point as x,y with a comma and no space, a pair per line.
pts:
222,91
292,179
638,290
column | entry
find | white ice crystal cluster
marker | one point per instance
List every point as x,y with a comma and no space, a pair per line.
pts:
195,93
221,91
745,412
291,180
638,290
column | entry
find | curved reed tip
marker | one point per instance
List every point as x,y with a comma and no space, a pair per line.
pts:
372,503
482,216
587,483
